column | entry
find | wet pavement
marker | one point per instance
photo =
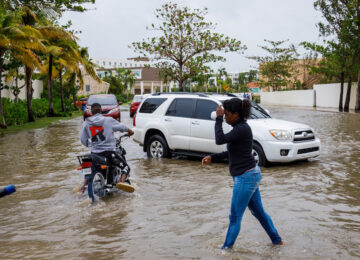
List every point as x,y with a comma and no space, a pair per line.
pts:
179,209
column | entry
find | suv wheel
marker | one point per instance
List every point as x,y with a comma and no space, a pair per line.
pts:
157,147
259,155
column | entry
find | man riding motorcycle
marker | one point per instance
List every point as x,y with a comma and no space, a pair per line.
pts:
100,130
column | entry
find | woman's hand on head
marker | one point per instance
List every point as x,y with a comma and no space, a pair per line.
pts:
206,160
219,111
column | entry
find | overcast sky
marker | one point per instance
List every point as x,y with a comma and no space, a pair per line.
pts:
112,25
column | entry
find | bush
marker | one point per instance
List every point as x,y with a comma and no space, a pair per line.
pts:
122,98
16,113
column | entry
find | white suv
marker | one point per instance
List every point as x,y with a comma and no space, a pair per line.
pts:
167,123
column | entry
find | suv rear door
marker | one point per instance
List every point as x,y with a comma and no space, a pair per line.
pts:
202,132
177,121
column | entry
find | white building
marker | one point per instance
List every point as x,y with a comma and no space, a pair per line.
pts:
109,63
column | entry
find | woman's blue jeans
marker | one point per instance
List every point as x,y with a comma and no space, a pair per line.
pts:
246,193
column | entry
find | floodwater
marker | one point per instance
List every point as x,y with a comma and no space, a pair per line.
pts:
179,209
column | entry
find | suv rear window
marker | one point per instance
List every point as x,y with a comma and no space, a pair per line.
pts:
151,104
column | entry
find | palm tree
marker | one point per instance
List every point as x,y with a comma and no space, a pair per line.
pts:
75,68
20,40
28,54
57,41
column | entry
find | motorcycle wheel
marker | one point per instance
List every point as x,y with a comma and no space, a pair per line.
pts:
96,187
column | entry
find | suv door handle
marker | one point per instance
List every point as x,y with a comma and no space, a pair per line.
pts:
195,122
168,120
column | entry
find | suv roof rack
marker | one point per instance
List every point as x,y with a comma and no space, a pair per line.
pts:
223,94
184,93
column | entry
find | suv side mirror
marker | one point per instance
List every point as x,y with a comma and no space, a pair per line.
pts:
213,115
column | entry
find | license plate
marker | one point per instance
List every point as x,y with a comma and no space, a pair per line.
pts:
86,171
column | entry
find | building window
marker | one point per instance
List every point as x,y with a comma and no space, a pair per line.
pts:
87,88
99,75
97,62
115,63
104,63
120,64
125,64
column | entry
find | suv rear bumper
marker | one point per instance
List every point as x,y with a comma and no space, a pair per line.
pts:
137,137
295,151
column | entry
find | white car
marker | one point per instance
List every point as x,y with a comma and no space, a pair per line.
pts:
183,123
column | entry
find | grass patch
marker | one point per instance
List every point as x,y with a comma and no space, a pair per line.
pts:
39,123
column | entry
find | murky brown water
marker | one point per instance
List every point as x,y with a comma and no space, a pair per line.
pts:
179,209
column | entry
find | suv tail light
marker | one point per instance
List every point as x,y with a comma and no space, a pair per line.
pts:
134,122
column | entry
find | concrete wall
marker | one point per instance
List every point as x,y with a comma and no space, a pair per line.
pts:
303,98
323,95
327,95
36,84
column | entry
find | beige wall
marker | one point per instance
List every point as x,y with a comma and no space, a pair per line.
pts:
300,73
94,87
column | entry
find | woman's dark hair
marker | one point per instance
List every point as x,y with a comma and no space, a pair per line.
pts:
243,107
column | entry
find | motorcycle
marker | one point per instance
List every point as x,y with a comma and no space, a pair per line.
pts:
104,173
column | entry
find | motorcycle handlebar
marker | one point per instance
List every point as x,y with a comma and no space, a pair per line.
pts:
7,190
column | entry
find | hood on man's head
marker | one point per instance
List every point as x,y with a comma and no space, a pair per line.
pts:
95,120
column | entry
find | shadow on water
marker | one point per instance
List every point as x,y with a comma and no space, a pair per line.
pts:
179,209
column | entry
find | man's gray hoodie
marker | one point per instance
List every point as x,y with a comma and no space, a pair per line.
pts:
98,132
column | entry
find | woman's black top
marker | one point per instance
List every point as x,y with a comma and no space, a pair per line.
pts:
239,146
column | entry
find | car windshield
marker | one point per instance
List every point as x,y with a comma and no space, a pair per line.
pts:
104,101
137,99
257,112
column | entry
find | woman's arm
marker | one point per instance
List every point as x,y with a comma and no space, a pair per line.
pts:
218,157
220,137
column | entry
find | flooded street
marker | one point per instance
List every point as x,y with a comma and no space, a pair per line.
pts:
179,209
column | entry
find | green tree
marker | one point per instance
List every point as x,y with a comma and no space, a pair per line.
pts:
21,40
31,54
186,43
337,62
343,20
49,6
59,44
246,77
276,68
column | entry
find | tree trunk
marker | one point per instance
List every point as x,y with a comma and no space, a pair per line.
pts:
357,103
51,105
74,101
17,92
2,122
61,91
29,92
347,100
181,81
342,79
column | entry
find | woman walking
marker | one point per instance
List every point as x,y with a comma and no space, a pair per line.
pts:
243,169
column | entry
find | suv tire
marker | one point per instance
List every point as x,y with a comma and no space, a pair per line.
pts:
157,147
259,155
